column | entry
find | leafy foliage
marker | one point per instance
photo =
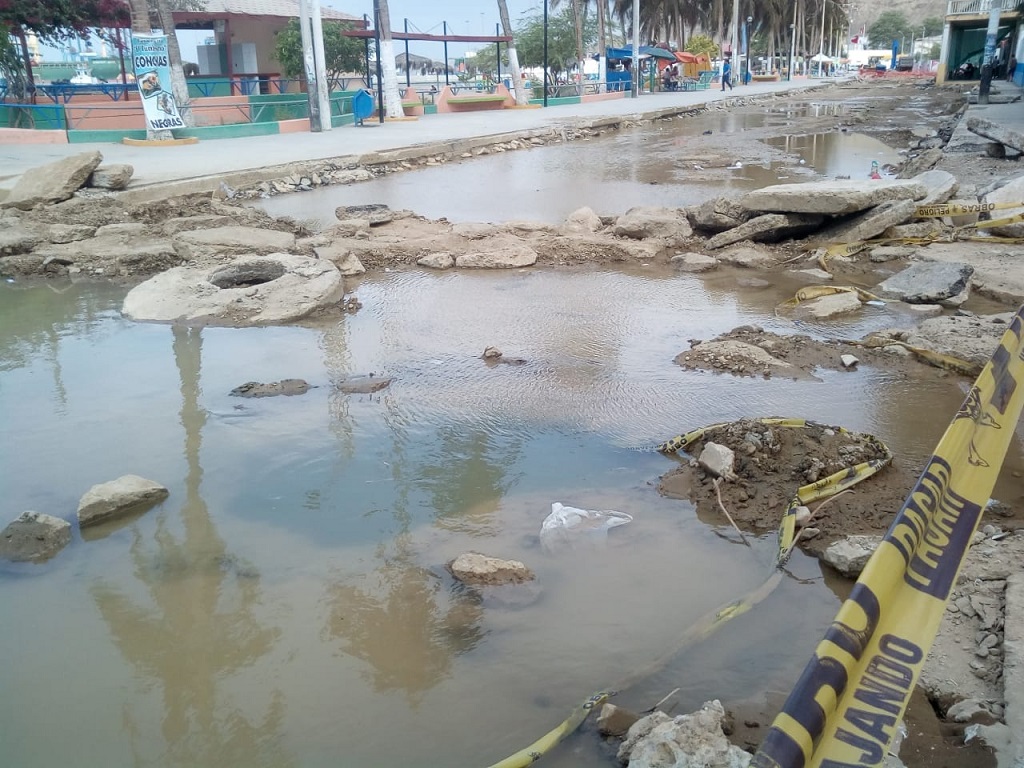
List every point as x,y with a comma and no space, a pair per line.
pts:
60,19
889,26
342,54
932,26
561,39
702,44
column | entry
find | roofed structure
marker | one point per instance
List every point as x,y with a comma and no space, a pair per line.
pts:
288,9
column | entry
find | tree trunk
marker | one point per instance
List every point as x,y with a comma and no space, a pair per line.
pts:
389,74
513,56
179,87
577,17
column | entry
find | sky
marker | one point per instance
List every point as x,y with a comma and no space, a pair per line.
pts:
464,17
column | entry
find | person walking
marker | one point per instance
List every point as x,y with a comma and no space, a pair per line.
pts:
726,74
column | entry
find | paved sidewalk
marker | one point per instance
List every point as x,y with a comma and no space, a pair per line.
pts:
213,158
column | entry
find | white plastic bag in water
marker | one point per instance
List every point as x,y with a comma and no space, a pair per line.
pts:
566,526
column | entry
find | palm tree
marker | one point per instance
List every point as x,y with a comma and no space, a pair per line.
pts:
513,57
392,98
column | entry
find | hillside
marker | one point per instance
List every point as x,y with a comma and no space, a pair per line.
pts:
865,12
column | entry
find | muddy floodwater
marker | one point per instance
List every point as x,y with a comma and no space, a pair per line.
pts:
288,604
659,164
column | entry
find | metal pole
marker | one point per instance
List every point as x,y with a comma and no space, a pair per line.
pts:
309,65
792,46
735,42
366,44
750,76
545,52
497,45
323,89
635,84
380,72
407,65
995,7
445,28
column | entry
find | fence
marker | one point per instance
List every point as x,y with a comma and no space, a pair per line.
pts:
977,7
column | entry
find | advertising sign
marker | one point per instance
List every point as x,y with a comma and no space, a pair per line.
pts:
153,77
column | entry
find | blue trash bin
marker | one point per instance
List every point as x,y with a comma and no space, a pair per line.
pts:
362,106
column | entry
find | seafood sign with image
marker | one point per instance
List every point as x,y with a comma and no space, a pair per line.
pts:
153,77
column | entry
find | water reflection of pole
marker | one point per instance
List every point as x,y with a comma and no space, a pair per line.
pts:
195,632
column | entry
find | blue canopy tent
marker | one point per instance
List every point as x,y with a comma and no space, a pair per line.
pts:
619,80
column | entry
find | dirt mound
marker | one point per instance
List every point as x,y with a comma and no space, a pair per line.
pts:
773,461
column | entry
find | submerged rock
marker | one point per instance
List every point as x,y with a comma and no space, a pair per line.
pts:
107,501
285,387
34,537
364,385
476,569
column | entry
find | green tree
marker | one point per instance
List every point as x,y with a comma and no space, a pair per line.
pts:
931,26
891,25
702,44
341,54
561,40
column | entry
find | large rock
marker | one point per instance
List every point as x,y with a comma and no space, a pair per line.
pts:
641,223
869,224
997,132
232,241
347,262
833,305
920,163
34,537
69,233
438,260
52,183
17,238
476,569
688,741
583,220
771,226
114,176
498,253
717,215
127,494
1011,192
969,337
941,185
927,282
831,197
693,262
252,290
718,460
375,213
850,555
116,250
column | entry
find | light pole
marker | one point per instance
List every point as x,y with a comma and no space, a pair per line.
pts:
821,42
792,51
746,34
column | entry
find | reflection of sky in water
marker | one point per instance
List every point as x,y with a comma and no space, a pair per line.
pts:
288,604
649,165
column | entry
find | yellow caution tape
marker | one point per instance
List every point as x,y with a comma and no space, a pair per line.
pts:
710,622
937,359
545,743
817,291
961,209
846,706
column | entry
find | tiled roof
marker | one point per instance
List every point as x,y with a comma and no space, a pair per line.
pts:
286,8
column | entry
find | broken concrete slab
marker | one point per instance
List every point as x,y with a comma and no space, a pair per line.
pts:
717,215
813,275
583,220
1011,192
834,198
121,253
439,260
941,185
17,238
997,132
52,183
920,163
826,307
771,226
914,231
869,224
498,253
347,262
251,290
927,282
748,256
477,569
232,241
850,555
643,222
172,227
968,337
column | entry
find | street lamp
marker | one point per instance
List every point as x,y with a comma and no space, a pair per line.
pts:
747,35
792,50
